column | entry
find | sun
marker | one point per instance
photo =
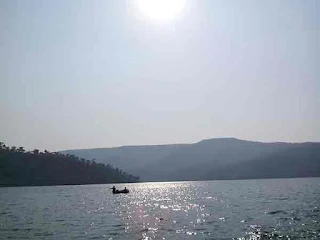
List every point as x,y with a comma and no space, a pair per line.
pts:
160,10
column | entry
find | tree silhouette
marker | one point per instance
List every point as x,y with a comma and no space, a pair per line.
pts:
20,168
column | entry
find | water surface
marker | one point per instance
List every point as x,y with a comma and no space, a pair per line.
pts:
250,209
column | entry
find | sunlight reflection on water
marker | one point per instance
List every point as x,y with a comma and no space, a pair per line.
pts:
161,208
256,209
187,209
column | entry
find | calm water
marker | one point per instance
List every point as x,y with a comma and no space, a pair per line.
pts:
251,209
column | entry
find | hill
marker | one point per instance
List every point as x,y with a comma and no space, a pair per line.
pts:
218,158
20,168
302,160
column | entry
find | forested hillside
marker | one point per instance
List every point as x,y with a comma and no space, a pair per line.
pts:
217,158
35,168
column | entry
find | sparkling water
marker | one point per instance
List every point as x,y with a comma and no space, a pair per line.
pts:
247,209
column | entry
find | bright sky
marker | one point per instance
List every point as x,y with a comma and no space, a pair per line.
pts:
82,74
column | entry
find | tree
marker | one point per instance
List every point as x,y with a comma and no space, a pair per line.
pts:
20,168
21,150
35,151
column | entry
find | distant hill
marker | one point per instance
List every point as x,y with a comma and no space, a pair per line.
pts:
20,168
218,158
302,160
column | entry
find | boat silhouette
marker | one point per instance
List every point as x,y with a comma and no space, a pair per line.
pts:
115,191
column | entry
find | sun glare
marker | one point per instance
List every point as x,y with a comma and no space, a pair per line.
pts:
160,10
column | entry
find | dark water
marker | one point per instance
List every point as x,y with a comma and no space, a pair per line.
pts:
252,209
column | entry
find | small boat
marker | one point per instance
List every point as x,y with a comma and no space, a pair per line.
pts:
115,191
120,191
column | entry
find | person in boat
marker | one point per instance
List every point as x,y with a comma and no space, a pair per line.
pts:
114,189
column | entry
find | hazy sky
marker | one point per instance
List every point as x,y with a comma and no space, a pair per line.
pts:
82,74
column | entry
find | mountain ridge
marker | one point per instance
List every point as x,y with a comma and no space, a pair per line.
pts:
170,144
194,161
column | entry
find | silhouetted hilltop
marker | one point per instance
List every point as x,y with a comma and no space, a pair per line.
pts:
20,168
218,158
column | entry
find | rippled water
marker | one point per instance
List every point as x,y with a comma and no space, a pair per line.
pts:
251,209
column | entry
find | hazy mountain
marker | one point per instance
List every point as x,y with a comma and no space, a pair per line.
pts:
135,158
219,158
302,160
